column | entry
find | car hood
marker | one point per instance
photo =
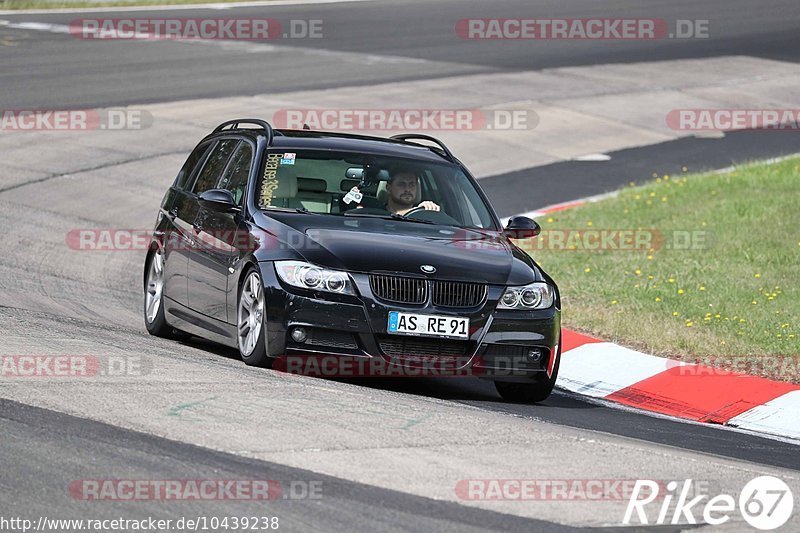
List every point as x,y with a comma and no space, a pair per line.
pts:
376,245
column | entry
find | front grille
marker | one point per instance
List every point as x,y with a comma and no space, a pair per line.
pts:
399,289
416,349
407,290
458,294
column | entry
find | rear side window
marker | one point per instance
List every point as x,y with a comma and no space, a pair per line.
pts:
215,164
235,177
191,165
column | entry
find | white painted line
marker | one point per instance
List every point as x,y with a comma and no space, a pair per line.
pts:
601,368
588,199
240,46
780,416
230,5
728,170
709,134
536,213
36,26
593,157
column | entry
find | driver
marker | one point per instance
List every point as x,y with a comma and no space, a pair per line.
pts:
402,188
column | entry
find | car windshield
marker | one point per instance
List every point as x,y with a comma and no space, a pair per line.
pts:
346,184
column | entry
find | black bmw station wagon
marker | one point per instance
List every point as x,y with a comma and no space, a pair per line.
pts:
305,243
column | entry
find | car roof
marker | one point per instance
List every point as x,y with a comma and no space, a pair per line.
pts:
343,142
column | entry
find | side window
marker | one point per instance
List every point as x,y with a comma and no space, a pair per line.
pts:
190,166
474,219
214,166
477,209
235,177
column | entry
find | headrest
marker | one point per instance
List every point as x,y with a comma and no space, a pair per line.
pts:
311,185
348,184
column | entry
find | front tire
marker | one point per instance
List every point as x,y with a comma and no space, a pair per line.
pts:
251,321
154,319
534,391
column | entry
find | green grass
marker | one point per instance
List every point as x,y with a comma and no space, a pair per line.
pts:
735,297
61,4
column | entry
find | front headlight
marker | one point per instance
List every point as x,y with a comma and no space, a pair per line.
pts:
308,276
537,295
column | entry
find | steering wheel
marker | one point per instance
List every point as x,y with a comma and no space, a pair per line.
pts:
414,210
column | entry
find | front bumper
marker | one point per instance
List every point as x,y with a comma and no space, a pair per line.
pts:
501,343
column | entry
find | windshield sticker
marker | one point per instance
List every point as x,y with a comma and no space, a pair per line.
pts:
353,195
288,158
270,181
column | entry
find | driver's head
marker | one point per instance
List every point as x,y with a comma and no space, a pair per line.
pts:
402,187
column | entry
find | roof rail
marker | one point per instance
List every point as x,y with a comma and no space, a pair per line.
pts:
419,136
234,124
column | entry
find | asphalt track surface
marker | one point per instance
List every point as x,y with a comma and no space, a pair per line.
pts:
105,447
43,450
57,70
570,180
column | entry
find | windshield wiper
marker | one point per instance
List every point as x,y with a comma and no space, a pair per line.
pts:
390,216
397,216
288,209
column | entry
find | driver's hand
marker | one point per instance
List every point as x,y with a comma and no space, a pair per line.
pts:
430,206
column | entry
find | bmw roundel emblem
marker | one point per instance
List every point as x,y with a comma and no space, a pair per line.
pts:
428,269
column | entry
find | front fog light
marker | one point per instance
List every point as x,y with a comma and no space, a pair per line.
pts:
535,355
299,335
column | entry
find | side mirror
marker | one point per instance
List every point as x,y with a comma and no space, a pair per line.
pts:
220,200
522,228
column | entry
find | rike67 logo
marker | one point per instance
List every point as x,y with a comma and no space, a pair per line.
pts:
765,503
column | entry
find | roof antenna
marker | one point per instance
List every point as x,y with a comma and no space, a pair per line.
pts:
306,126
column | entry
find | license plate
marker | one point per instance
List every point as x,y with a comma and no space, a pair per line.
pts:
428,325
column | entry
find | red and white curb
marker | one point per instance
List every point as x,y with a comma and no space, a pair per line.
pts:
605,370
611,372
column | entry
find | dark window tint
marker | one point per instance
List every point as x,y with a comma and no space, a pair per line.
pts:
215,164
315,180
191,164
235,177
